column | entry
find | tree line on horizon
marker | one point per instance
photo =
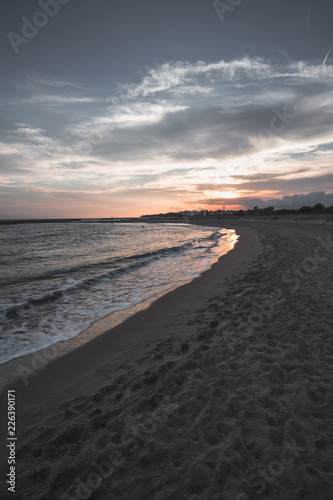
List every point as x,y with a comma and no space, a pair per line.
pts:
316,209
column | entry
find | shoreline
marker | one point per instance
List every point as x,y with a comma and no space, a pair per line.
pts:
35,364
220,389
43,356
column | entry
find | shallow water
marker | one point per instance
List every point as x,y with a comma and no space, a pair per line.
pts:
58,279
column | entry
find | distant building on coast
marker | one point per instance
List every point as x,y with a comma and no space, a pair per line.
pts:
194,213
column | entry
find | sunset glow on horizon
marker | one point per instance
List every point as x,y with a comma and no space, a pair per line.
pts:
166,126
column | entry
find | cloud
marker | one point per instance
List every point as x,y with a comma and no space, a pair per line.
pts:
249,126
54,100
42,80
208,77
286,202
300,200
271,182
162,116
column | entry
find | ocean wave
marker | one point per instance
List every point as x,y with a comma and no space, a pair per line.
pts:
121,265
166,251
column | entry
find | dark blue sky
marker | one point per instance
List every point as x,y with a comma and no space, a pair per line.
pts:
102,42
161,87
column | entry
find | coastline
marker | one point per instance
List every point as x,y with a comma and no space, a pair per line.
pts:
220,389
123,324
20,366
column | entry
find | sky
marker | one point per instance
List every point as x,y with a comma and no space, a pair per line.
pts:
116,108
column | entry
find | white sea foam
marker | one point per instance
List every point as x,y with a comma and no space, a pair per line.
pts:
71,275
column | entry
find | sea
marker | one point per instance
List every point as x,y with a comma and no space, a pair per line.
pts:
57,279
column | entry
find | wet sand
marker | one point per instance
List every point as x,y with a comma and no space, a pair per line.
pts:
221,389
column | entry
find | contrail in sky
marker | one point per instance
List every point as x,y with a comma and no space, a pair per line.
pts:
328,53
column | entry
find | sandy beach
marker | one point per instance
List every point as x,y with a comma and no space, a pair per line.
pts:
220,390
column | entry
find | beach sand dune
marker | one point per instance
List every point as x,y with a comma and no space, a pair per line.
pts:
221,390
